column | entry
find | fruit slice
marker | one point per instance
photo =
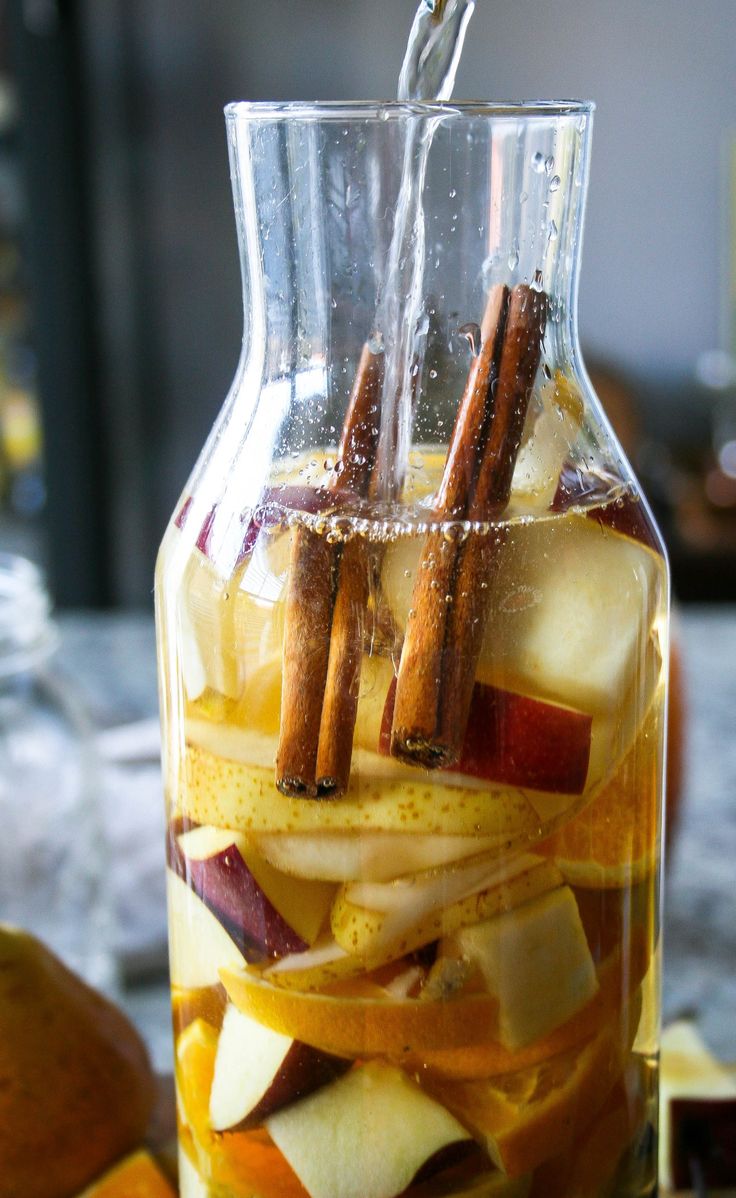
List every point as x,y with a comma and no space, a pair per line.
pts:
219,876
257,1071
225,622
363,856
613,840
536,962
196,1050
233,794
616,1003
560,583
138,1176
590,1162
255,902
364,1136
369,1022
377,920
523,1118
198,943
517,740
541,456
247,1162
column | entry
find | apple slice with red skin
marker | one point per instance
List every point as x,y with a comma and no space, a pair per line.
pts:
258,1071
625,514
228,889
367,1135
275,502
517,740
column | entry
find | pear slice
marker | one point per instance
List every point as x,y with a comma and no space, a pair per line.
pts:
258,1070
234,793
363,856
364,1136
379,920
536,961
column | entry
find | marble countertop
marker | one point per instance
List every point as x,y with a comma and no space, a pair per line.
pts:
111,658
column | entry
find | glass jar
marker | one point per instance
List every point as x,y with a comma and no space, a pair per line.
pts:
412,620
52,863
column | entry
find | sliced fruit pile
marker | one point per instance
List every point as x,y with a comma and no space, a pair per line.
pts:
432,984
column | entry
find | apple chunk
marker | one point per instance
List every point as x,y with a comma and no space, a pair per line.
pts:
569,612
364,1136
536,961
519,740
222,880
258,1070
222,859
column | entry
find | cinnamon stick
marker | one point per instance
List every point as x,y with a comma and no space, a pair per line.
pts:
316,584
450,600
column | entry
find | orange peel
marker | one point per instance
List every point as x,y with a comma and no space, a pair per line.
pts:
368,1023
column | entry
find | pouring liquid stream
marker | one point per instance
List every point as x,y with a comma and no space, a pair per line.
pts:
427,74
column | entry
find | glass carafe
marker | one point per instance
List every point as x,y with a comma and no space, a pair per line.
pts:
412,622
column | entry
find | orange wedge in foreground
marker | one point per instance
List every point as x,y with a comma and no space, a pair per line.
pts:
138,1176
618,979
613,841
366,1024
523,1118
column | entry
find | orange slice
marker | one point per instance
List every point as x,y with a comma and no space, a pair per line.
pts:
618,978
250,1163
591,1161
523,1118
138,1176
369,1023
196,1048
613,841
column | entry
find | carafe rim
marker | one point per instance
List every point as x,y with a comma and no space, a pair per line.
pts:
341,110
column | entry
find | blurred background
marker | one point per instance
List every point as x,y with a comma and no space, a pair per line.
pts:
120,310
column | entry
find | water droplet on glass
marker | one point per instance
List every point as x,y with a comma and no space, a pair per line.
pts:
471,333
452,193
549,164
538,162
523,197
433,374
552,231
375,342
513,258
554,182
333,303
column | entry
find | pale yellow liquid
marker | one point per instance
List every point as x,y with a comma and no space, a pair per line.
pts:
550,636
